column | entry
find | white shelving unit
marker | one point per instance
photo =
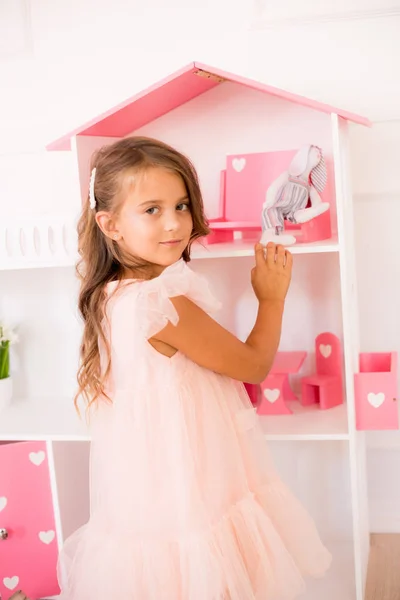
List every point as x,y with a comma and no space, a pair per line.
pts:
323,295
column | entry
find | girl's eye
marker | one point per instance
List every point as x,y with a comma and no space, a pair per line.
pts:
183,206
151,210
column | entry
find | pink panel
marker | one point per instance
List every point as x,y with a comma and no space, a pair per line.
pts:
28,557
382,362
218,237
253,391
171,92
328,355
144,107
376,392
234,225
247,178
317,229
288,362
222,193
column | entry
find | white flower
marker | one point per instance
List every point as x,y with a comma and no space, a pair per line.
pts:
7,334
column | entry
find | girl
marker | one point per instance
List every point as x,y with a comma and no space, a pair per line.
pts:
185,503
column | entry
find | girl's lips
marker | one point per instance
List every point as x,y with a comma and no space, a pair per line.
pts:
171,242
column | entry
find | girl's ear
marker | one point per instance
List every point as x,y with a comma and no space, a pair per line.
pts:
107,224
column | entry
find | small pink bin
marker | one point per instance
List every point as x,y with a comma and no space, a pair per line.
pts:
375,389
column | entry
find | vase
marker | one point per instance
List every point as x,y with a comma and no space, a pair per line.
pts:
6,389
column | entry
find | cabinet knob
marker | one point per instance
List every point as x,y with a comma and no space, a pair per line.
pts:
3,534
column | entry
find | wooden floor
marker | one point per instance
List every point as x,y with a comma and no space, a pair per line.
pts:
383,580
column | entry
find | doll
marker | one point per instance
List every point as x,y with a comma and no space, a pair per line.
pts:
288,196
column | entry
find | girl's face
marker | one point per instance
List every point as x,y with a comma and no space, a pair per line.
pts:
155,221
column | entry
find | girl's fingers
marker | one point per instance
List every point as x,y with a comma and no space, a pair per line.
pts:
271,250
259,254
280,255
288,260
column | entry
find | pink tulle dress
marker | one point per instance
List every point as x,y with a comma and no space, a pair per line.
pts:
185,501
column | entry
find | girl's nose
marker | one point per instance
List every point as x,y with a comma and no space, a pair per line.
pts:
171,222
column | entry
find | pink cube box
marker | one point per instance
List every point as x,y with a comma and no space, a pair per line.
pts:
375,388
28,557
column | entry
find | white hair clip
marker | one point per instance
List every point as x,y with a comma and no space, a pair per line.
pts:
92,199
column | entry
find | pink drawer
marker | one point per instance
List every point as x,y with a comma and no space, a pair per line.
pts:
28,556
376,392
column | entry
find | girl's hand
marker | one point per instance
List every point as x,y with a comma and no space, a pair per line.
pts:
271,276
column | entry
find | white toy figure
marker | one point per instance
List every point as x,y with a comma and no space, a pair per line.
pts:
288,196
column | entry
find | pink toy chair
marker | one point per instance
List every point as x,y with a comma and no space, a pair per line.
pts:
326,386
272,400
275,390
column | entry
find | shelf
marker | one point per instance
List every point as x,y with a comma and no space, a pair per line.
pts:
42,419
50,241
307,423
240,248
18,265
55,419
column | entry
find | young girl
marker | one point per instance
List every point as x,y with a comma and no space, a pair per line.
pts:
185,503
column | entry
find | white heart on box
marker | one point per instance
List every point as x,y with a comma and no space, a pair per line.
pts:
3,503
326,350
11,582
47,536
272,395
37,457
376,400
238,164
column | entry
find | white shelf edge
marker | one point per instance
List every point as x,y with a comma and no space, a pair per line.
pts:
235,249
20,265
239,248
312,437
284,437
22,421
45,437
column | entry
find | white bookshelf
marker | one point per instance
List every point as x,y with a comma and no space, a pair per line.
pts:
323,296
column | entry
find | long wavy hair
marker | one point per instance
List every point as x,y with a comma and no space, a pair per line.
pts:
101,258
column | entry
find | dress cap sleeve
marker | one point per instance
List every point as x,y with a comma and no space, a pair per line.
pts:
154,296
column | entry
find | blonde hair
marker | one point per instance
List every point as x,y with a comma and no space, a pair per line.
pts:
101,259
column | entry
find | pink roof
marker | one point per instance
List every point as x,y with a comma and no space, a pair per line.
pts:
173,91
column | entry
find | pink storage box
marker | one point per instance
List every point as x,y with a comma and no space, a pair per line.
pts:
375,390
28,556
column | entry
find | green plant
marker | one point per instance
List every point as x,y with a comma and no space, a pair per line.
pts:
7,337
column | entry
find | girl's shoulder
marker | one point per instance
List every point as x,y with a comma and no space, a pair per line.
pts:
150,301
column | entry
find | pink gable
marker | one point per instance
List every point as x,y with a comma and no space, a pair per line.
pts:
173,91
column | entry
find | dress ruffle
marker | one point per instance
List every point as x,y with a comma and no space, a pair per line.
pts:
241,557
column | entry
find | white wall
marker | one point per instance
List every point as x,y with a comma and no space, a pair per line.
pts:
68,60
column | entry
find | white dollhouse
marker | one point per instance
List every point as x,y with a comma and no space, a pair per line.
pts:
209,115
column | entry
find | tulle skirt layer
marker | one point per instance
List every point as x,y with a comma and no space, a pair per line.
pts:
186,503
